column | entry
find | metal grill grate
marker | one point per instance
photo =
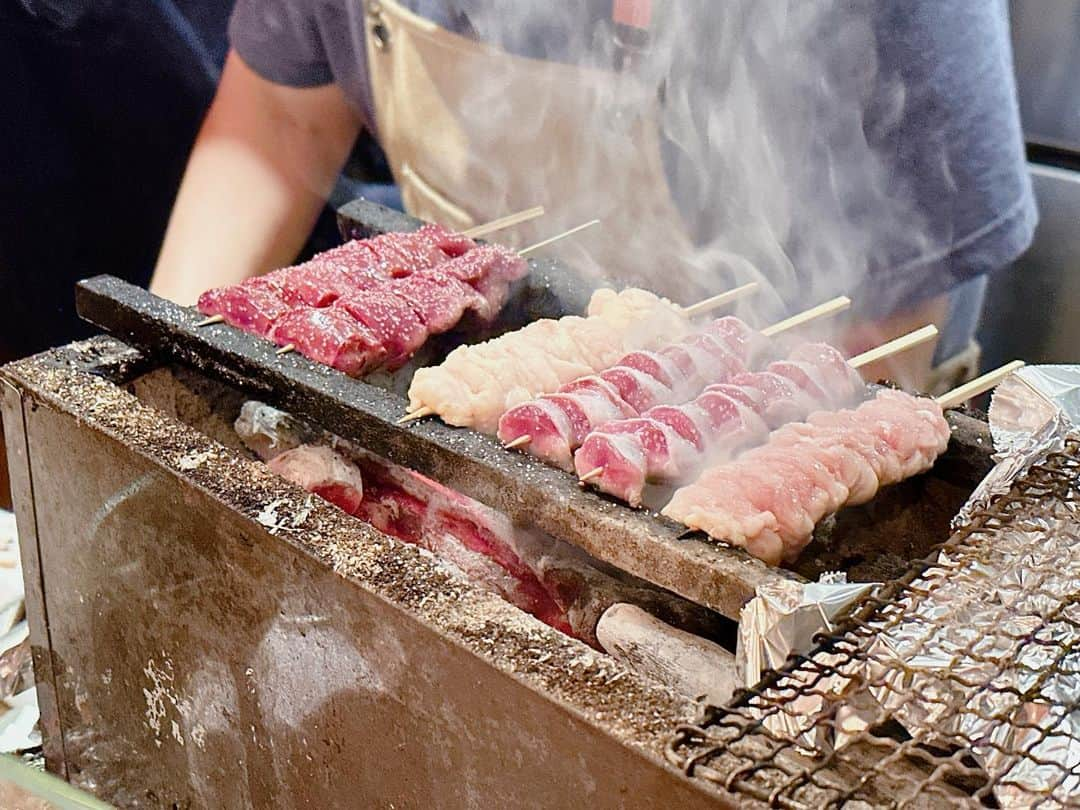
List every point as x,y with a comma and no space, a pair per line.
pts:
957,685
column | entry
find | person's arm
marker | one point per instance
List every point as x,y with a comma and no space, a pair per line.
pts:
263,164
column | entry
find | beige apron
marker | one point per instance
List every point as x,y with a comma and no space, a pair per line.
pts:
472,133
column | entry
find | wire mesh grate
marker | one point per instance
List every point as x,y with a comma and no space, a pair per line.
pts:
956,685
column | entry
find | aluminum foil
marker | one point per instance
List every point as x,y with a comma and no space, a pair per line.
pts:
987,657
783,619
1032,411
978,659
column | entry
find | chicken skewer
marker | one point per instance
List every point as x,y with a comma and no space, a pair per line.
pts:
668,444
769,499
553,426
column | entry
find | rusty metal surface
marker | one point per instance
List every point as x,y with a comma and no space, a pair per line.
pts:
640,543
222,639
955,685
14,413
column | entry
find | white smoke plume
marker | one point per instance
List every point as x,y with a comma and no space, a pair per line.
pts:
776,117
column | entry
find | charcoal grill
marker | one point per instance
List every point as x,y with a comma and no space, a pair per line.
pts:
642,543
208,635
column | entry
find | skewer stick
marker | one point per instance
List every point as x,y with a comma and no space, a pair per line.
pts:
499,224
719,300
820,311
509,221
838,304
895,346
591,474
419,413
557,237
288,347
980,385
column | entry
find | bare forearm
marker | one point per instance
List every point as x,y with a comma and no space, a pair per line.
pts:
261,169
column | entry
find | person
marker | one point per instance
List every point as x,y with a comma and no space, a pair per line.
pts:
906,193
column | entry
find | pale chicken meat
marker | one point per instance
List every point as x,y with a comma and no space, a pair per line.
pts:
542,356
770,498
639,381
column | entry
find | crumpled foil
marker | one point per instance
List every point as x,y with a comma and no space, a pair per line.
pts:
782,619
987,657
987,652
1032,411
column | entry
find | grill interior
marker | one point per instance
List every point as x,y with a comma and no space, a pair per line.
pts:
954,685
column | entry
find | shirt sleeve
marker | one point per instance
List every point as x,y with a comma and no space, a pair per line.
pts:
280,40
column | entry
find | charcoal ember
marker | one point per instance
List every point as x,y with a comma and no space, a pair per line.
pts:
548,578
323,472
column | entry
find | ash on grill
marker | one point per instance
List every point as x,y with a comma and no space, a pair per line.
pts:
956,685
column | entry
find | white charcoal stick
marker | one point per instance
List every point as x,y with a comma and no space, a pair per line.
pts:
689,664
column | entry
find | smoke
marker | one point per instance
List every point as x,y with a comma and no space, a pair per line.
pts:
772,121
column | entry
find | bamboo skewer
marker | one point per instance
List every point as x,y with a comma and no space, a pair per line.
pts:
980,385
419,413
900,344
557,237
288,347
830,307
509,221
479,230
820,311
708,304
895,346
591,474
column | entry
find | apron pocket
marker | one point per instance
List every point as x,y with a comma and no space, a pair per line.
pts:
424,201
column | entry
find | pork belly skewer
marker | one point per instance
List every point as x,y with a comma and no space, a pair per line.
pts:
668,444
769,499
267,299
553,426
